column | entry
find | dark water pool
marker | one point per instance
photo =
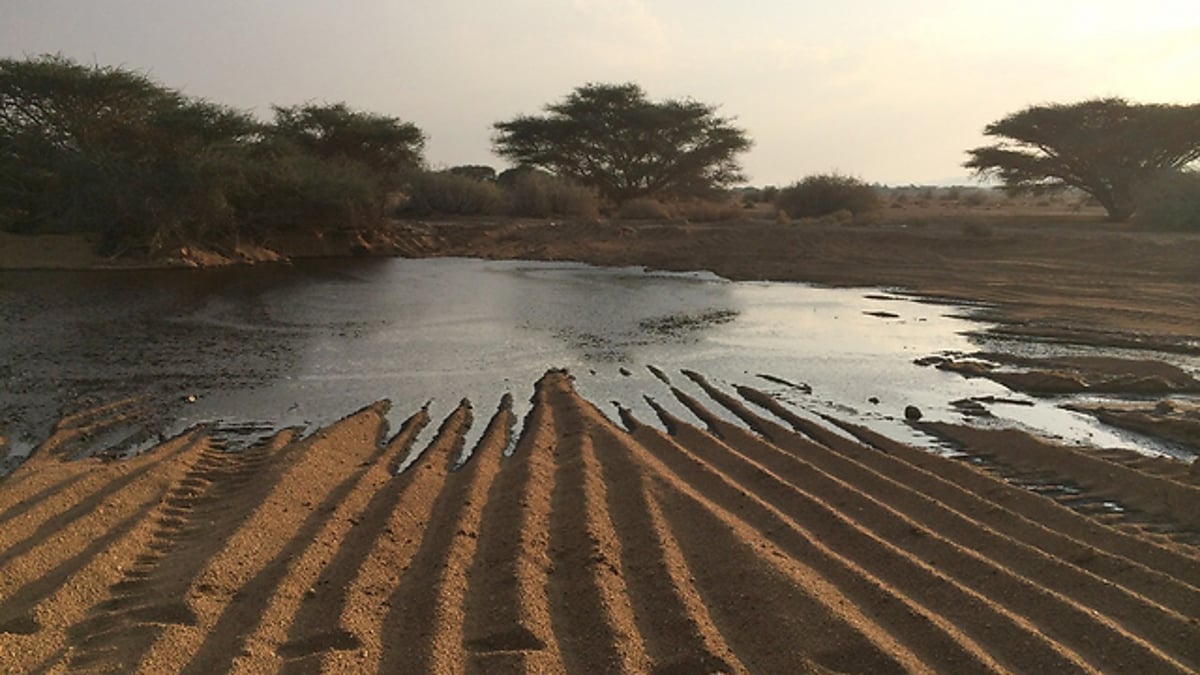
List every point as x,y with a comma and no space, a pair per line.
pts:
254,349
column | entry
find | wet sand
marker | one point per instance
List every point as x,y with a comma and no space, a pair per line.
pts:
780,546
777,545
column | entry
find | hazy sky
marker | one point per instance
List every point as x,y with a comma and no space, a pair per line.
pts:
893,92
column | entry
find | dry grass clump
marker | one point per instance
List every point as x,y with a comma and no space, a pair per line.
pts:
643,208
533,194
450,193
539,196
709,210
976,198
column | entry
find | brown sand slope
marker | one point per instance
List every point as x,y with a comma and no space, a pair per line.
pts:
778,546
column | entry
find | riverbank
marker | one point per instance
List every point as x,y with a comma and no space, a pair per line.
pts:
1057,277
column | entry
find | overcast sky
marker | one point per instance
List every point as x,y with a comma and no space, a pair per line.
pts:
891,91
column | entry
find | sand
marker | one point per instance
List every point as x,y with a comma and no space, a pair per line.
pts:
778,546
568,542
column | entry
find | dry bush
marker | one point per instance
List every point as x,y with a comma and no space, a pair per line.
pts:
451,194
708,210
840,217
1171,200
822,194
539,196
644,208
976,198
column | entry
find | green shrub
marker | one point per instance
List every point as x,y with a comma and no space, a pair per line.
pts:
539,195
288,189
822,194
643,208
1171,200
451,194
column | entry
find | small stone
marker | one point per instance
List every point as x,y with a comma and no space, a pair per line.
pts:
912,413
874,400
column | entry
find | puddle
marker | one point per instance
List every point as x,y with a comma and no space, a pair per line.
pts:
303,345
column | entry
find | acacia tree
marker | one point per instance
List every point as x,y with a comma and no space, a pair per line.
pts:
1104,147
334,131
611,137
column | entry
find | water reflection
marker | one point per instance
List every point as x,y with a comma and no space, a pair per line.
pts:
264,347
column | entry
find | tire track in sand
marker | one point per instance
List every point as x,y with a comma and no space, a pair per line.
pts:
50,588
198,514
294,493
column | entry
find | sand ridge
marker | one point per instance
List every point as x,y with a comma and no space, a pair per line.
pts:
775,545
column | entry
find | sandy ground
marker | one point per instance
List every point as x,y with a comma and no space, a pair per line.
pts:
779,545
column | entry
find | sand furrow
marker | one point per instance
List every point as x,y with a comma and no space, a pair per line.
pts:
852,462
733,567
1063,599
379,552
507,627
813,528
773,546
668,613
302,585
68,521
294,494
1181,564
313,633
891,617
590,610
75,490
425,623
44,481
1149,493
